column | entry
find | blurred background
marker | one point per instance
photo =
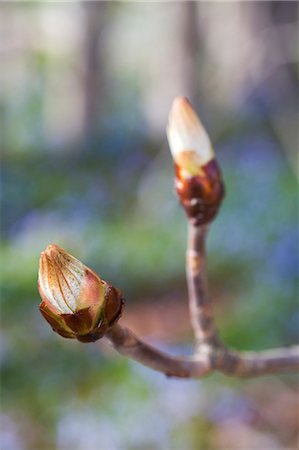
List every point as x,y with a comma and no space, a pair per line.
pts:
86,90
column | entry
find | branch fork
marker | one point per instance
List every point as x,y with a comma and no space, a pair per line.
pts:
210,352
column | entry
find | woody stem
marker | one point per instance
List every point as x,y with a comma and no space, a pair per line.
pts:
200,306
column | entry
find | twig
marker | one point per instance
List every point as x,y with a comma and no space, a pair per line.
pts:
211,354
128,344
253,364
243,364
200,306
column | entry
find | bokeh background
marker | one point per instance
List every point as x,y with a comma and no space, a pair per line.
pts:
86,90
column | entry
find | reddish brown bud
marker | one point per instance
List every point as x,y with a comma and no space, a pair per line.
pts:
75,301
201,195
198,178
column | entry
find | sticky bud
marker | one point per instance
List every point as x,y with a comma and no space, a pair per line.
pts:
75,301
198,177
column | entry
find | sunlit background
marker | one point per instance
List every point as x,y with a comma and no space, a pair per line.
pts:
86,90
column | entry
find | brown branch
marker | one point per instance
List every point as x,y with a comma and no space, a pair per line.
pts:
199,304
243,364
253,364
211,354
128,344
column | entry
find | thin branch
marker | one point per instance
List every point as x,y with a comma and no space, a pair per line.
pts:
211,354
128,344
253,364
200,306
242,364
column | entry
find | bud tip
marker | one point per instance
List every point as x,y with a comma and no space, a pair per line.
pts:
188,140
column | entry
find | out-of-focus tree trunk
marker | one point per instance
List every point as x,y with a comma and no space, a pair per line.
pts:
283,13
281,18
94,73
190,41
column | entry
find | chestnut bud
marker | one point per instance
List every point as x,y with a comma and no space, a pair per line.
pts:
75,301
198,178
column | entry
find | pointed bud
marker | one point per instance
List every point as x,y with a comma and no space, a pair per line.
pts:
75,301
198,177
